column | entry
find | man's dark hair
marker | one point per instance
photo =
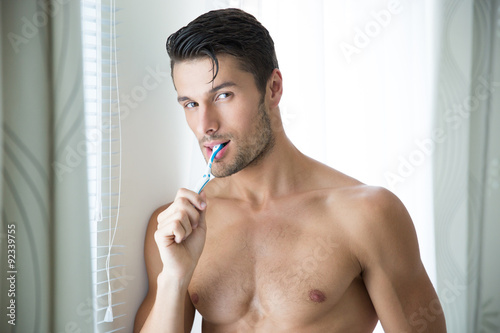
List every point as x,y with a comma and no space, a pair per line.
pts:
226,31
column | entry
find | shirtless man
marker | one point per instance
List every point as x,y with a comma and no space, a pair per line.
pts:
280,242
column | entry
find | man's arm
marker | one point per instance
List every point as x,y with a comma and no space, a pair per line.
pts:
387,249
163,305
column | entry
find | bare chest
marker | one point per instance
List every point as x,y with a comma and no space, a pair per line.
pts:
281,268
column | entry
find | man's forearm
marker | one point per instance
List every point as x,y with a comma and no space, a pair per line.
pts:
167,313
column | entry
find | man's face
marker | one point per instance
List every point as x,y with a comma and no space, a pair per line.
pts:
228,110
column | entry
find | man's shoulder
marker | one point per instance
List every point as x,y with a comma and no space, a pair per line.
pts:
374,219
368,219
352,192
359,206
363,204
369,200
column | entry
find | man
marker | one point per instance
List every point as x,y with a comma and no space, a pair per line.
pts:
278,242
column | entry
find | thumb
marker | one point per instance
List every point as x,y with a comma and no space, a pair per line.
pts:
203,196
202,223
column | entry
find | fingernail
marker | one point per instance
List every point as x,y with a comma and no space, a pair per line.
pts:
203,205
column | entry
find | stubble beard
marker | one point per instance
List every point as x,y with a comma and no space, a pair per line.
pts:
251,151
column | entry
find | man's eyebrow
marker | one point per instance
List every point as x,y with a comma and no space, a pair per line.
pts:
214,89
222,86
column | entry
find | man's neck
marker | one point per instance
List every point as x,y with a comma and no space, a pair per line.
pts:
276,174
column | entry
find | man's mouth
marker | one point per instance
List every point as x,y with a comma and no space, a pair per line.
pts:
220,154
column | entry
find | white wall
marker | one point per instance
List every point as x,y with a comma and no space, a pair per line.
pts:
153,136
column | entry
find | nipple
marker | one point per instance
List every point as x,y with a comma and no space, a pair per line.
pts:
195,298
316,296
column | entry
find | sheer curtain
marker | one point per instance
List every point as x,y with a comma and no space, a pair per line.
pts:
467,165
44,189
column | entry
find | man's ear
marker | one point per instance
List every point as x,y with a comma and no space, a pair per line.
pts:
275,88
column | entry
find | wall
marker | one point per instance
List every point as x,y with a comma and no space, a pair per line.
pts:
153,136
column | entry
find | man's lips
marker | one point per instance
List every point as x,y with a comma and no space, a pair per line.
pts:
209,148
222,151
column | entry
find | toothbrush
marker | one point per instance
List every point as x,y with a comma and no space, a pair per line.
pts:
207,176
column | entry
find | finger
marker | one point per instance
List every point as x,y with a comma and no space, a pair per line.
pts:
177,231
201,220
180,221
181,205
193,214
164,239
195,198
186,222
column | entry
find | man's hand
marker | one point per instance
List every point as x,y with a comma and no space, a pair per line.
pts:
181,234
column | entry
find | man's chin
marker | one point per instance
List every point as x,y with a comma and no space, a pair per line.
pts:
224,171
221,173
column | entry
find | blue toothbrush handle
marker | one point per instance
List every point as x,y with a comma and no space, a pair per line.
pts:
207,176
202,182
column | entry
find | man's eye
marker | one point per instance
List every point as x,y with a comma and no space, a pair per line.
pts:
223,95
190,105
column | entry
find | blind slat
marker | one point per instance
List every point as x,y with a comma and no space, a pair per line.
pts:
103,269
104,151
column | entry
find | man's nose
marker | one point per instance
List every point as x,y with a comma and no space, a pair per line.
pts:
208,122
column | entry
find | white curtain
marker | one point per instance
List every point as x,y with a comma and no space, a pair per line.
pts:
467,165
44,183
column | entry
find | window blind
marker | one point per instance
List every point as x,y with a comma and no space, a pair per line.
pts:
103,131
